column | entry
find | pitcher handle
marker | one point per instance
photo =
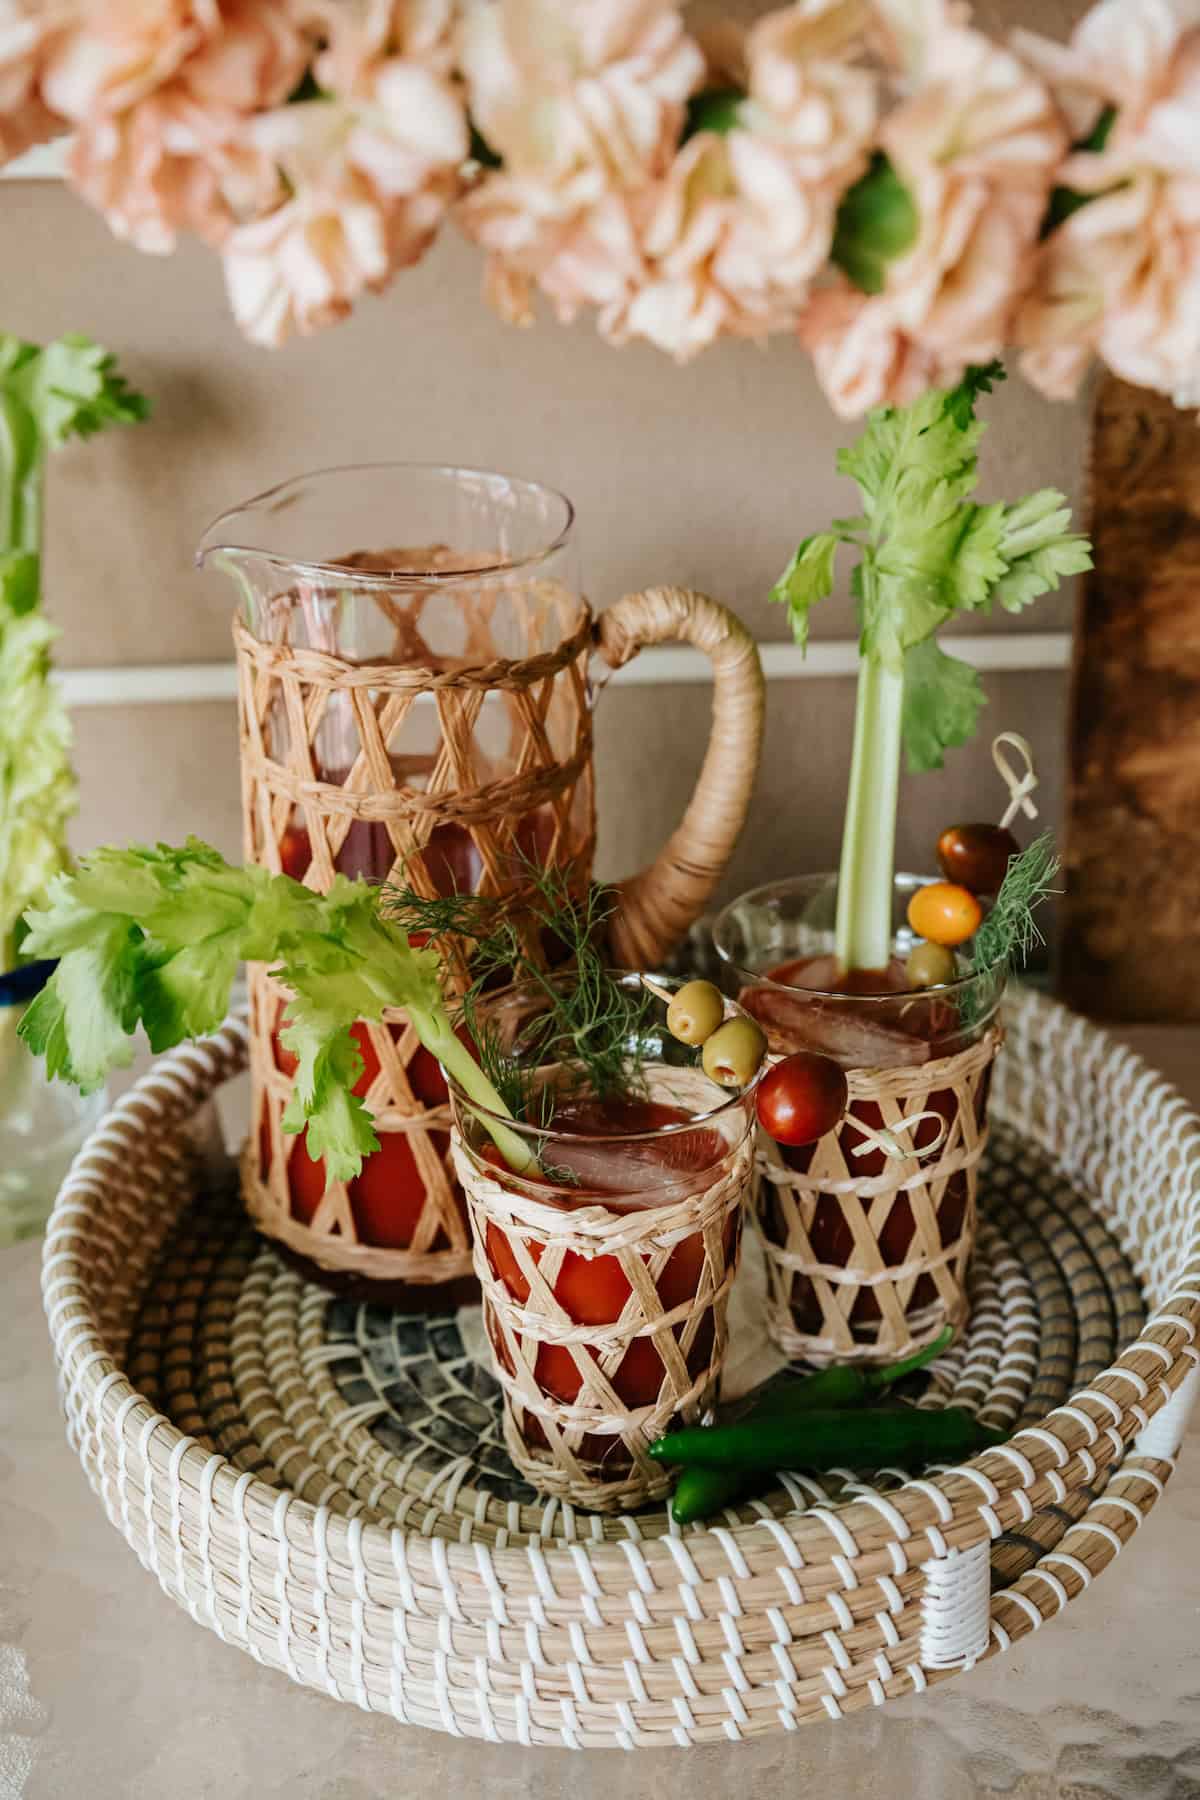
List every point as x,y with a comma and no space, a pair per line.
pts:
656,907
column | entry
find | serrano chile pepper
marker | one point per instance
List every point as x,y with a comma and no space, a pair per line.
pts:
867,1438
701,1491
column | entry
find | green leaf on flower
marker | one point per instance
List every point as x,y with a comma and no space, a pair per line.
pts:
877,221
1066,200
482,152
713,109
942,700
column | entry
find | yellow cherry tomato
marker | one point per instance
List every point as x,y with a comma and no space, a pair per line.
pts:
944,913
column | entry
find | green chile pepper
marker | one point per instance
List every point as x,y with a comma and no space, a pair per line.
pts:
868,1438
702,1491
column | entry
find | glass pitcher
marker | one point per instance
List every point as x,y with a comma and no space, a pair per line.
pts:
415,701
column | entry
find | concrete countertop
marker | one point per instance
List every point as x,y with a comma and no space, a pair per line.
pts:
108,1691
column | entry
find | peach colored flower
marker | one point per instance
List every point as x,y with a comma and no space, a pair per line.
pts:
1122,53
1121,276
159,92
556,86
977,142
730,245
808,88
584,101
864,357
370,181
360,34
723,235
28,32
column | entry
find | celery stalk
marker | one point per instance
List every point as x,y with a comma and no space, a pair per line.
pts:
927,550
439,1038
50,393
864,904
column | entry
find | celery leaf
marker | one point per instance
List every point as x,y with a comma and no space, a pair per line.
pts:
73,388
1039,549
154,937
942,701
359,967
322,1099
807,579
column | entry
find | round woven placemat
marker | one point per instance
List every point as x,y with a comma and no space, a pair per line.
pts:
397,1420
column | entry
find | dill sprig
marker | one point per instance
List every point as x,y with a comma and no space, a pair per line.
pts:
591,1028
1010,931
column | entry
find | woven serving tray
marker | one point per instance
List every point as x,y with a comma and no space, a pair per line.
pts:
325,1485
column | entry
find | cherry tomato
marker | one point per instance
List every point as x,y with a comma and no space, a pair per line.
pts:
944,913
976,856
295,852
801,1098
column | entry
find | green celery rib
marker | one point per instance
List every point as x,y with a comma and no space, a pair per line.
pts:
439,1038
864,909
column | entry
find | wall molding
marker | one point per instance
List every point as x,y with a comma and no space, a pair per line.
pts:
1011,652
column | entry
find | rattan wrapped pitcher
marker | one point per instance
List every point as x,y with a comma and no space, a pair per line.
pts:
413,651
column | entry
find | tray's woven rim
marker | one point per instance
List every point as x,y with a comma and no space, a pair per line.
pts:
830,1562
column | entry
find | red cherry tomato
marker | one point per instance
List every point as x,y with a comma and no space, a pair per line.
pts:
295,852
801,1098
977,856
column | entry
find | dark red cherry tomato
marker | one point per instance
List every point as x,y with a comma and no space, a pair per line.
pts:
802,1098
976,856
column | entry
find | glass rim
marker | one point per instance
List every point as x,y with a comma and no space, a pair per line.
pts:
328,573
546,1134
759,895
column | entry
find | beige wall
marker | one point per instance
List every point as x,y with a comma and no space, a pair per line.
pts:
705,475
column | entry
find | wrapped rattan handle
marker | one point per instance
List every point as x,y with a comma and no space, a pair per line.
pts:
656,907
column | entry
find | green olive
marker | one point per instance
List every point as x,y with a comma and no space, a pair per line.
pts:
931,965
695,1012
732,1054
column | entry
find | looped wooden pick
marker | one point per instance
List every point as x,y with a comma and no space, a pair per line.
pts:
1020,786
887,1138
